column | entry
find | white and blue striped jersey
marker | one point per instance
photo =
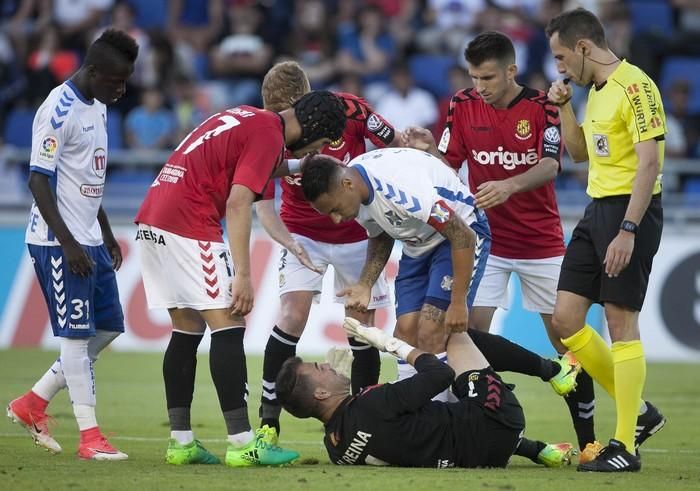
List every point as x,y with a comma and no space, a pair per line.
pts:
405,185
69,144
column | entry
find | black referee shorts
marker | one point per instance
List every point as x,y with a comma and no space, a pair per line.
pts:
583,271
495,417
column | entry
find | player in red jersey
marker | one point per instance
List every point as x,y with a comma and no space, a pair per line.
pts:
217,172
506,138
311,239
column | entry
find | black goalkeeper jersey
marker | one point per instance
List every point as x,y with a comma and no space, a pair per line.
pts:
398,424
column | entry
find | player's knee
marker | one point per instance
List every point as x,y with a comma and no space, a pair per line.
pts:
562,325
292,322
431,339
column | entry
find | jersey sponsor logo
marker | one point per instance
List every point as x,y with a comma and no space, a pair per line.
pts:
49,147
357,446
92,190
87,129
171,173
154,237
374,124
600,142
551,135
444,140
509,160
522,130
640,112
99,162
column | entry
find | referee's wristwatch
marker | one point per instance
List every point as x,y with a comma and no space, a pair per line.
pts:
629,226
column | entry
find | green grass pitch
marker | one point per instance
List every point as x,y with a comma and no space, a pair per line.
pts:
131,407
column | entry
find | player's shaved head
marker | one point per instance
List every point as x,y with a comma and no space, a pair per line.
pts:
321,175
490,45
283,85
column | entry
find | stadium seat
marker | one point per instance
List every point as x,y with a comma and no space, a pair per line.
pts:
654,16
430,72
691,191
18,128
682,68
115,139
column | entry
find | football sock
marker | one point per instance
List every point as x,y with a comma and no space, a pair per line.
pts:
506,356
77,369
100,341
529,449
51,382
85,416
594,355
365,365
581,404
182,437
227,363
630,374
179,369
241,439
280,346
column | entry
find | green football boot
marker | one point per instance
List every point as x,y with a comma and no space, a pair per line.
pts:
556,454
191,453
261,451
565,381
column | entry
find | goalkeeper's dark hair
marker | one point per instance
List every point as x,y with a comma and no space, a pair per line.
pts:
574,25
490,45
319,177
112,47
294,391
321,114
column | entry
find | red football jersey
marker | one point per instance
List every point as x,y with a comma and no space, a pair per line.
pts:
297,213
500,143
237,146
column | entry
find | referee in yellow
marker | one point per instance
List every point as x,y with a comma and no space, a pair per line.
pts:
609,257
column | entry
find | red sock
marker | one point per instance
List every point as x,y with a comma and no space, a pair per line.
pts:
36,402
90,434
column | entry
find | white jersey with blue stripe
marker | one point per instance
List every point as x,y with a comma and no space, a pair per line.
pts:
404,186
69,144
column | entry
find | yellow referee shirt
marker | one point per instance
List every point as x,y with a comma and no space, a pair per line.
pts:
626,110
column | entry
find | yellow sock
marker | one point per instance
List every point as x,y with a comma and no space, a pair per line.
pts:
595,356
630,374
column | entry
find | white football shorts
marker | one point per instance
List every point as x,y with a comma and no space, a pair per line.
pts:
179,272
347,261
538,282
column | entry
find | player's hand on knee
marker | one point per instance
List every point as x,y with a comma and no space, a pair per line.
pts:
241,296
300,253
79,261
456,317
365,334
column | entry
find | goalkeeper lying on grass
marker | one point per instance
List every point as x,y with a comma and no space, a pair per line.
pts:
398,424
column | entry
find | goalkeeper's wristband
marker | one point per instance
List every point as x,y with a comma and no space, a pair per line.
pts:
294,166
398,348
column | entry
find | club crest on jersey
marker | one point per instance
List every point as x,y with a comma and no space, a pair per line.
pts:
439,213
393,218
446,283
49,147
602,148
337,144
522,130
99,162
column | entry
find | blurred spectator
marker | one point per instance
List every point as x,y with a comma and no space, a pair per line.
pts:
242,57
12,81
76,19
366,48
405,104
123,17
150,125
312,42
459,80
448,24
186,106
683,133
350,84
617,21
49,64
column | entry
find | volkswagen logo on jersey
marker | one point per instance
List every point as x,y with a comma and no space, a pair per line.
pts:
374,123
99,162
522,130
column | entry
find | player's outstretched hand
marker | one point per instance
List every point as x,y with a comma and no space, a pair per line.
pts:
418,138
79,262
356,297
115,252
364,334
340,360
241,296
300,252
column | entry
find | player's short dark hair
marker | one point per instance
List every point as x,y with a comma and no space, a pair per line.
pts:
319,176
112,47
321,114
294,391
490,45
574,25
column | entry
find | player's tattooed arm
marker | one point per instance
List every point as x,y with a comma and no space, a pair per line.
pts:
378,252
